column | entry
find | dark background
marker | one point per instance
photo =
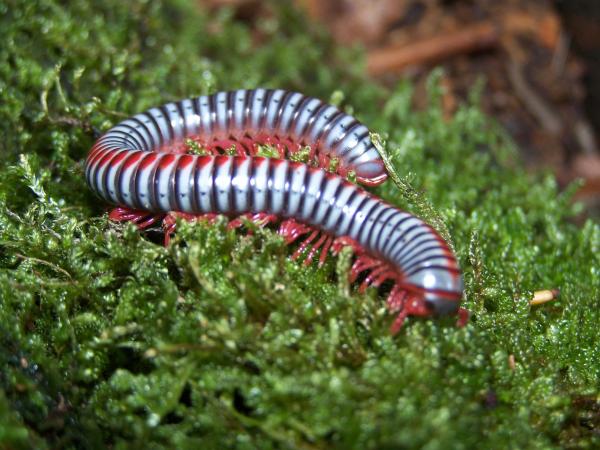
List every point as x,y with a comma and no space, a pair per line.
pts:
538,62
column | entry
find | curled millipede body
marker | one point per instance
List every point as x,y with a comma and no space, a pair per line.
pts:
246,115
138,166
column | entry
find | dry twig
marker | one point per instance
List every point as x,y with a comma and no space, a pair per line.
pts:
433,49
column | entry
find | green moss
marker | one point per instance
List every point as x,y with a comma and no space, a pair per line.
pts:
220,341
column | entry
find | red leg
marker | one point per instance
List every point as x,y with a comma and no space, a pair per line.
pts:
342,171
223,145
325,250
259,219
346,241
275,141
312,152
463,317
407,305
292,147
143,219
376,272
324,161
388,274
361,264
396,298
292,230
305,244
250,145
315,248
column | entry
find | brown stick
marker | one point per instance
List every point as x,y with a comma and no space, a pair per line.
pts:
433,49
222,3
535,104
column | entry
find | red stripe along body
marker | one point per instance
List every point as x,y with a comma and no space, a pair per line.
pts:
128,166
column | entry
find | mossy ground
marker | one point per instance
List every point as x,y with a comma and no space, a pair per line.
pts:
220,341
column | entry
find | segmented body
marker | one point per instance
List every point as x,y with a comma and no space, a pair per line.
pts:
127,167
247,114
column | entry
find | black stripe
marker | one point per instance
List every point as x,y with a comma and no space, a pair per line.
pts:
419,249
297,113
196,109
311,215
119,178
330,126
429,245
165,112
239,119
333,119
368,147
399,242
213,187
194,190
265,108
383,225
183,120
153,183
415,263
234,174
353,194
230,193
313,119
366,214
173,192
161,138
284,102
149,145
270,186
287,189
90,168
138,144
360,138
383,207
108,168
330,204
114,143
359,206
123,139
303,192
134,183
435,266
402,251
230,110
97,182
349,128
393,230
251,185
310,112
218,116
248,108
274,104
212,114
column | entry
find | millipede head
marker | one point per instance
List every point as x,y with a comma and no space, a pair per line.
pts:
441,289
370,173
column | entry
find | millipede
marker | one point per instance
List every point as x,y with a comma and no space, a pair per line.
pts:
202,157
